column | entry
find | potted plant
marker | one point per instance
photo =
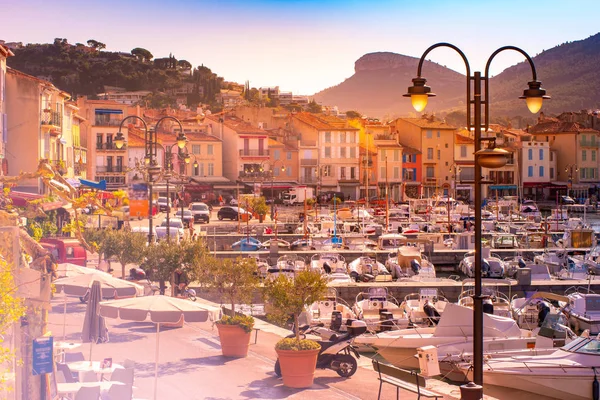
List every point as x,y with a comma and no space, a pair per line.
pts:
285,296
260,207
236,280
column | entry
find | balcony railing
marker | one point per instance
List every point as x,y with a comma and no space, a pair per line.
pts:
308,161
99,121
255,175
254,153
309,179
109,169
585,143
51,118
385,137
308,143
110,146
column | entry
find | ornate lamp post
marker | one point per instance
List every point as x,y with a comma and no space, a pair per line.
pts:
488,158
570,168
150,149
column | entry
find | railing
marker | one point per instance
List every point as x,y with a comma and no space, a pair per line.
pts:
308,179
255,175
99,121
110,146
110,169
384,137
254,153
585,143
51,118
308,161
308,143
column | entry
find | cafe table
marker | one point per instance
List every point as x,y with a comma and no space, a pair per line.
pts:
70,389
61,347
83,366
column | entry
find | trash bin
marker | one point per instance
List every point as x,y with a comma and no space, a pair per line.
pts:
524,276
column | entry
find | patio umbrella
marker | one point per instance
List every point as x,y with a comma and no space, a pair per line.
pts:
160,309
79,285
94,327
68,270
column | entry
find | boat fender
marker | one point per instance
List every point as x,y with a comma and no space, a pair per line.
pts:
595,387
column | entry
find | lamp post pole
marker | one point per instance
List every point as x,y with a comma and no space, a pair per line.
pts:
488,158
569,168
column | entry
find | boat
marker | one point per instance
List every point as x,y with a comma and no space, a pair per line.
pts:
333,265
391,241
262,266
491,267
368,269
379,310
331,311
419,307
567,373
409,262
583,310
289,265
247,244
399,347
554,260
530,312
497,302
357,242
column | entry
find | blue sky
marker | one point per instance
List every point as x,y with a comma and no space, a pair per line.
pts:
303,45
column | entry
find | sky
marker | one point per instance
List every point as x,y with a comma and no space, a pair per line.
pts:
304,46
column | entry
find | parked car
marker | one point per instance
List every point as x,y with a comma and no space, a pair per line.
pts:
175,225
200,211
233,213
233,202
187,217
164,204
567,200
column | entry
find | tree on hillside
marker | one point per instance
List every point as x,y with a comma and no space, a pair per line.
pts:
184,64
96,44
142,54
158,100
314,108
353,114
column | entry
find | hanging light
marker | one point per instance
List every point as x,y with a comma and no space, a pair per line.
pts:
419,94
181,140
534,96
195,164
187,158
147,159
119,140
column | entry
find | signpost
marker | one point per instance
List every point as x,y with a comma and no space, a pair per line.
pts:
43,357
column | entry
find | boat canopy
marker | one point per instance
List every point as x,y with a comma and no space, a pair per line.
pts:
458,321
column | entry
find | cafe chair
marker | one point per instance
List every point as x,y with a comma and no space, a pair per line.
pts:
118,392
88,393
66,371
124,375
88,376
74,357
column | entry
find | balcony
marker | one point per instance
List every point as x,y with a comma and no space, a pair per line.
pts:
308,162
110,146
51,119
102,121
254,153
255,176
385,139
430,181
110,169
309,180
308,143
585,143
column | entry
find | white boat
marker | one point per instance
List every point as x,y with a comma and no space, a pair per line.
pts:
367,269
289,265
583,310
409,262
419,307
554,260
331,311
455,327
568,373
391,241
333,265
529,312
379,310
491,267
497,302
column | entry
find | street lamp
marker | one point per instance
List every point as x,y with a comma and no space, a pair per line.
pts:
272,169
150,153
489,157
168,175
456,169
570,168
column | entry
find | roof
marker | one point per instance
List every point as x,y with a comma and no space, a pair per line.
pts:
461,139
237,125
554,126
30,77
427,123
410,150
515,132
275,143
5,51
322,122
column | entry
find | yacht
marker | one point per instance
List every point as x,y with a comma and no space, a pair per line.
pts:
498,302
492,266
324,311
419,307
409,262
368,269
333,265
289,265
379,310
529,311
391,241
568,373
583,310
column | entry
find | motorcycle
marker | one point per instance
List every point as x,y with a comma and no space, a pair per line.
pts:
336,353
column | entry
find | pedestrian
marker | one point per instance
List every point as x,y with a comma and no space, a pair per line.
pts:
191,229
220,200
180,281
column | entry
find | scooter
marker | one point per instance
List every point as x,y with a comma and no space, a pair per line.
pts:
336,353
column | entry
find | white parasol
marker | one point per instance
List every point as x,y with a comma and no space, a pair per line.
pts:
160,309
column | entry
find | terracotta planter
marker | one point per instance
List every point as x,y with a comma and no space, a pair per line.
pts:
298,367
234,340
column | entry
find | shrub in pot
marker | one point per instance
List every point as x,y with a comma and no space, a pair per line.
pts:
236,280
297,358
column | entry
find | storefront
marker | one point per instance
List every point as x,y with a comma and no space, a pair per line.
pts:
506,190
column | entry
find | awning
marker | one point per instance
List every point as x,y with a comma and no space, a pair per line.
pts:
20,199
73,182
279,185
503,187
534,184
107,111
96,185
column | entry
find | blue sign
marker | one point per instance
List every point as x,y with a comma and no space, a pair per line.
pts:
43,356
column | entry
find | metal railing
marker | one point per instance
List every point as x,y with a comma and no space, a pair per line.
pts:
53,118
110,146
99,121
110,169
254,153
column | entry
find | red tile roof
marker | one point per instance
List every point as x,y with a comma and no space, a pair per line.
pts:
461,139
410,150
553,126
428,123
323,122
237,124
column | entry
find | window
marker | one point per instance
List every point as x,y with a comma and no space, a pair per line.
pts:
530,170
551,156
430,172
201,169
551,173
351,137
209,149
530,154
382,155
541,154
541,171
429,134
593,155
352,172
396,172
288,170
276,171
211,169
327,152
327,170
430,153
583,155
382,173
289,155
342,137
327,137
342,172
276,154
463,151
342,152
582,173
438,134
396,155
352,152
439,154
195,149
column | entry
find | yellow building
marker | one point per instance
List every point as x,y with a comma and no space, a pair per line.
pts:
4,54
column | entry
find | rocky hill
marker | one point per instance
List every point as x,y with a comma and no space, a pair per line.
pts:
568,72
